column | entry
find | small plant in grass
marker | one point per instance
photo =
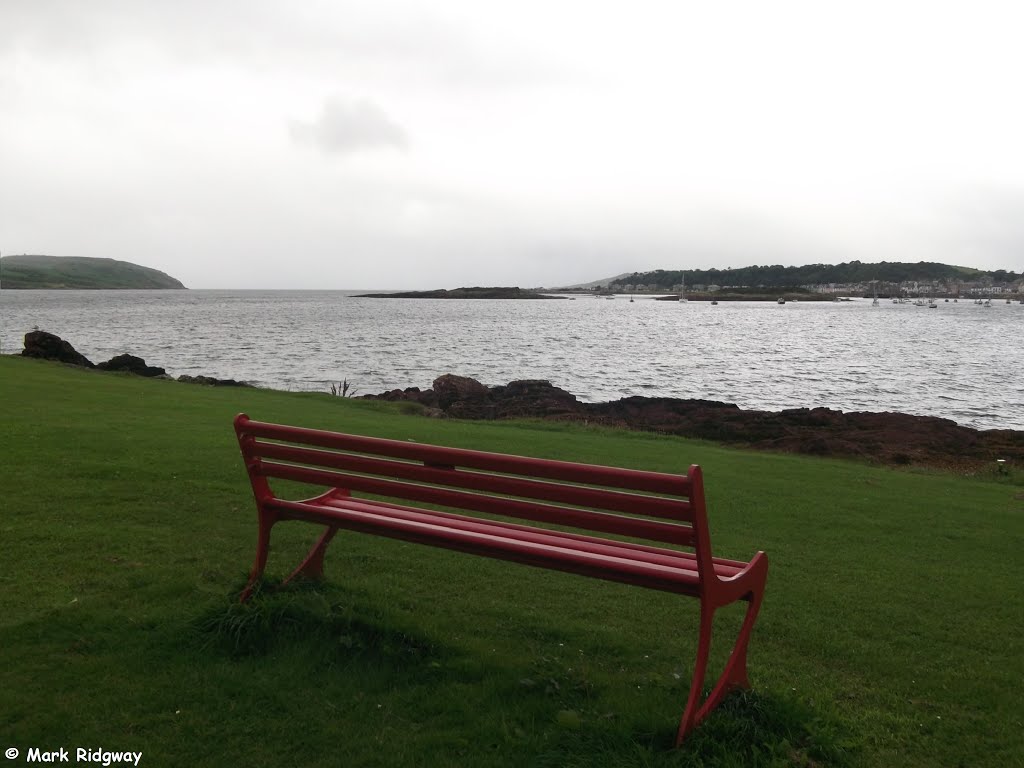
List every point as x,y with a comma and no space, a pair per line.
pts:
343,389
250,628
1004,471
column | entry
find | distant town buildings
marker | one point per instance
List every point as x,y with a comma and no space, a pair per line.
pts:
984,286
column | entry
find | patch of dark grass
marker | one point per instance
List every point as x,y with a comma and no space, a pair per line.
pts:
302,612
769,729
748,730
409,408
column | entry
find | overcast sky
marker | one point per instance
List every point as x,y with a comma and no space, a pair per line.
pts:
265,144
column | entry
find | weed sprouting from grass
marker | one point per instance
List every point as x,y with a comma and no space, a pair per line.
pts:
343,389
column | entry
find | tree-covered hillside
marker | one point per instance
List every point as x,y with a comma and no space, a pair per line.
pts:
79,272
777,276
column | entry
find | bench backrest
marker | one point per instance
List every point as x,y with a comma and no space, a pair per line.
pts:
654,506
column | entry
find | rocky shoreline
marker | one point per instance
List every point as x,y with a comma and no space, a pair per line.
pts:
884,438
48,346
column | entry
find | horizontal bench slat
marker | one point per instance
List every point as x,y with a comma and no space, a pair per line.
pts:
549,469
655,530
617,501
564,558
670,557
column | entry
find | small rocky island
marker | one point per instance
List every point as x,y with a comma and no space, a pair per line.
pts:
81,273
463,293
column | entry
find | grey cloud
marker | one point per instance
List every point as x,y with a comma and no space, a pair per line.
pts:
388,40
982,225
345,127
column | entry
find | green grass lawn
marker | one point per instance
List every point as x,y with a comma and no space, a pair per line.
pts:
889,636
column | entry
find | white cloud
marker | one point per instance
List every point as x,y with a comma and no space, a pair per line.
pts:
344,127
539,142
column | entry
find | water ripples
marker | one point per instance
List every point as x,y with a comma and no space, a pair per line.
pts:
959,361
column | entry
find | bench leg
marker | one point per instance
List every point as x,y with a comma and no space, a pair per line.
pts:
312,567
735,673
733,676
689,720
266,522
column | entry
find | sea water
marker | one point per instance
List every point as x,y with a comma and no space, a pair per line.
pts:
960,361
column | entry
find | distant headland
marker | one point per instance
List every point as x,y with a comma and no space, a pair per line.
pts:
79,272
462,293
813,281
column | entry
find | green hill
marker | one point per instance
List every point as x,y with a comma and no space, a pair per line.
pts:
79,272
777,276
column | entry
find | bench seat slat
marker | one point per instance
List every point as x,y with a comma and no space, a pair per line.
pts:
549,469
622,567
655,530
598,498
724,567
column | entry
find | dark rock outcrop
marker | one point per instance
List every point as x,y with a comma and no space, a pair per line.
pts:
210,381
131,364
462,390
525,398
49,346
888,438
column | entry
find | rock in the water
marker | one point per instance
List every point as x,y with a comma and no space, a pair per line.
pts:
48,346
131,364
210,381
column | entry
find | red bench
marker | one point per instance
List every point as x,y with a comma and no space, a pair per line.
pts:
652,506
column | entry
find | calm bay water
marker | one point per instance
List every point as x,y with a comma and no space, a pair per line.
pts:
959,361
